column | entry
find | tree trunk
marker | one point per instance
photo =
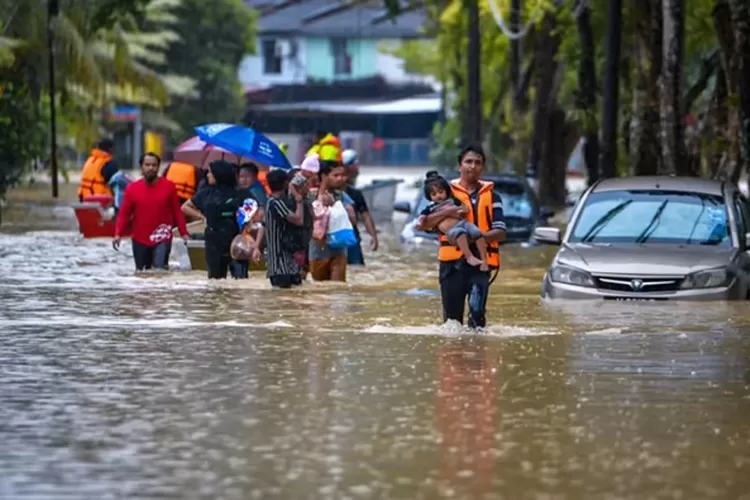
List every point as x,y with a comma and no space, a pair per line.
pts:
722,17
587,92
473,74
515,53
645,145
547,45
561,138
672,121
719,125
741,29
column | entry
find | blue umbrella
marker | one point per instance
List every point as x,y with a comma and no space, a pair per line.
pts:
244,141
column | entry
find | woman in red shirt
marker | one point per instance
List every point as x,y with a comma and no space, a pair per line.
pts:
152,209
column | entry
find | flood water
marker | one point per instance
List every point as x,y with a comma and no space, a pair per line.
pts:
121,386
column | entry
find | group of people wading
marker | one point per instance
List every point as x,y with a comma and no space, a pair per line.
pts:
466,213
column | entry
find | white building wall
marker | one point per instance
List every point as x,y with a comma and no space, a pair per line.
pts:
292,68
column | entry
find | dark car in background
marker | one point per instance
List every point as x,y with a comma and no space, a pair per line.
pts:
520,204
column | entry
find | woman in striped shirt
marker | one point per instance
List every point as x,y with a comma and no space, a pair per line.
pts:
283,270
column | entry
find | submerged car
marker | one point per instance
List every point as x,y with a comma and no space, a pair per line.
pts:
653,238
520,207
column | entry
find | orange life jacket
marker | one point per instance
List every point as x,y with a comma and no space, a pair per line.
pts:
263,179
182,176
482,219
92,180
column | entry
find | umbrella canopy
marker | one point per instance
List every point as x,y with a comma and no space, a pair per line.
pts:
245,142
201,154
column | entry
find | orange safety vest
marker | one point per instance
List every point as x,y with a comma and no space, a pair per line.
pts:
92,180
482,219
263,179
182,175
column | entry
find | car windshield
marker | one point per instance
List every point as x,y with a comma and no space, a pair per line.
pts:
516,201
654,217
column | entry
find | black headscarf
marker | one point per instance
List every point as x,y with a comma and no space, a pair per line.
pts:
224,174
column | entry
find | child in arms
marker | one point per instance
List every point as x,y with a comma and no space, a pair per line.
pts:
459,232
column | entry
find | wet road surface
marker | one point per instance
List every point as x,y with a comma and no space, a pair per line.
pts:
168,386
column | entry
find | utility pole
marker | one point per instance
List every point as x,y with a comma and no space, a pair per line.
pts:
52,11
473,76
608,159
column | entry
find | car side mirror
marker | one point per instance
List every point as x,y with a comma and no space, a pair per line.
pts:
547,235
402,206
747,241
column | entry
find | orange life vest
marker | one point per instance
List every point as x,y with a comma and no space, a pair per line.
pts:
482,219
182,175
263,179
92,180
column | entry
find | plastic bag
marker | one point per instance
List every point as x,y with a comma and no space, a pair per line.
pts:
242,247
340,230
321,216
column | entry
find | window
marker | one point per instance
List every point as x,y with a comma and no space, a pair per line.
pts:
342,61
271,57
664,217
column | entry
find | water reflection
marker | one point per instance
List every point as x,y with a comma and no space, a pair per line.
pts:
168,386
465,409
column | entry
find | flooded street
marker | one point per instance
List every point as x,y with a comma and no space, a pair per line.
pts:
168,386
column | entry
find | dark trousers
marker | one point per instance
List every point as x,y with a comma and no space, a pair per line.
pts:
151,257
239,269
218,258
459,281
285,280
354,255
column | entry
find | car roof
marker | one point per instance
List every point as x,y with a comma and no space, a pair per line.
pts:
666,183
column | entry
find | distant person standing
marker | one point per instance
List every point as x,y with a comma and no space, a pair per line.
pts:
249,187
284,270
248,178
329,264
354,254
217,204
98,170
482,206
185,178
328,147
152,208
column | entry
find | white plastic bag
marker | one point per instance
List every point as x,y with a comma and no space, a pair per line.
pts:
340,231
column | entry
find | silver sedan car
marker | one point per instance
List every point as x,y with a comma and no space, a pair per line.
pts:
652,238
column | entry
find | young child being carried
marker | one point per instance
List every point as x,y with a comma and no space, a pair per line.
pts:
459,232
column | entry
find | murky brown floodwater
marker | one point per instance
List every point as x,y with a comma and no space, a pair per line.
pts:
116,386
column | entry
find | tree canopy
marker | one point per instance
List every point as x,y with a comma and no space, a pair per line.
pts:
176,59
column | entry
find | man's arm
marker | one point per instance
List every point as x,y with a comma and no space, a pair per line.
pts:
497,227
360,205
108,170
124,213
177,216
348,203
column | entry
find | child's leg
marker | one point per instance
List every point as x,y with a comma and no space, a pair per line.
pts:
462,242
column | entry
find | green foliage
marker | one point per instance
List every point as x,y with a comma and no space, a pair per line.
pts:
509,135
22,134
215,36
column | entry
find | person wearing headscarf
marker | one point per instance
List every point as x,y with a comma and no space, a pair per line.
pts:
217,205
